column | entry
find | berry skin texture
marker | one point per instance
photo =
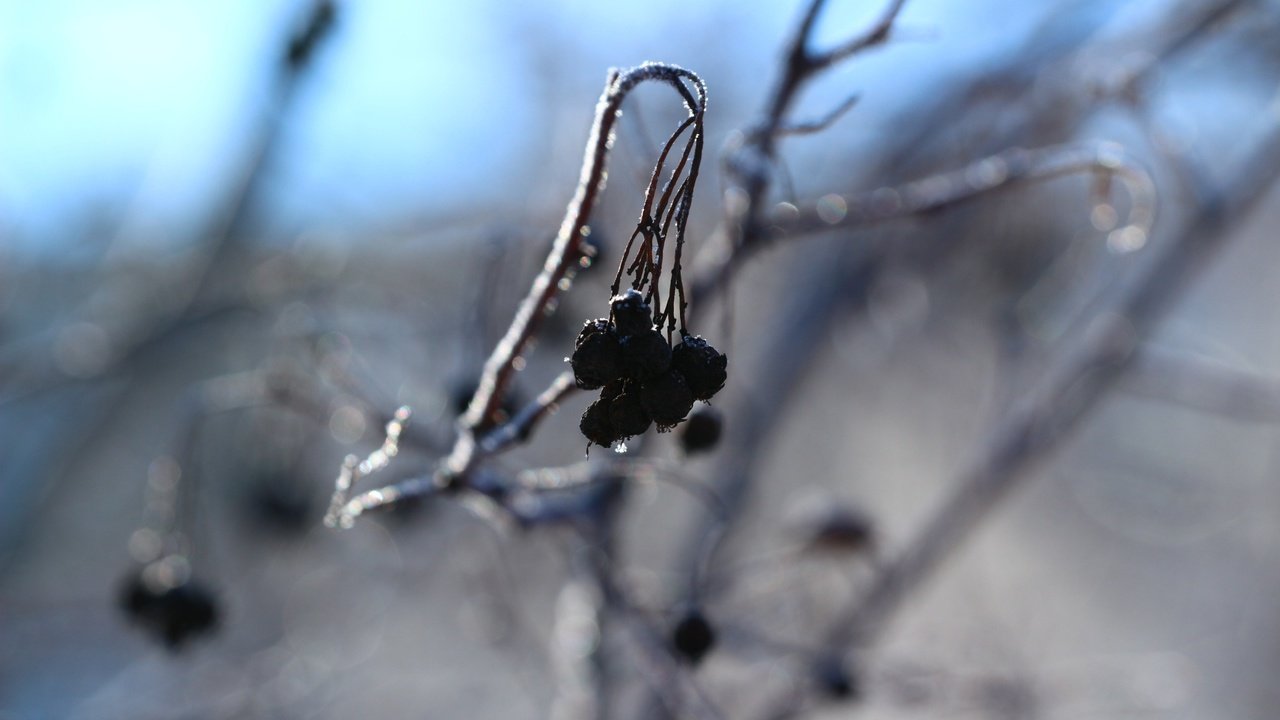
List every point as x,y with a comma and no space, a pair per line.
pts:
693,637
612,390
667,399
701,431
627,415
595,424
704,368
631,313
645,355
597,355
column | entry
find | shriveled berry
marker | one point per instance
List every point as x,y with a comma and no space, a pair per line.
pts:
703,367
597,356
667,399
595,424
612,390
645,355
702,430
693,637
631,313
627,415
592,328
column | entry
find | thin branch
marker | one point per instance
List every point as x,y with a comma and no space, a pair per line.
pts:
822,123
416,487
519,428
354,470
1002,171
873,36
1006,169
1204,386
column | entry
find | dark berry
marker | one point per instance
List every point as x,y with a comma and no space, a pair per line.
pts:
591,328
597,357
645,355
703,367
834,678
595,424
702,430
137,599
627,415
190,611
279,502
174,614
631,313
693,637
840,528
612,390
667,399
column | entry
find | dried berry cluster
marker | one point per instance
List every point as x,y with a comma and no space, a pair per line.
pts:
642,379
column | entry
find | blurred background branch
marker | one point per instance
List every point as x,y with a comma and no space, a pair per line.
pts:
948,297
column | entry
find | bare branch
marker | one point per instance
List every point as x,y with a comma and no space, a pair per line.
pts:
1007,169
518,428
822,123
1205,386
873,36
1043,420
353,470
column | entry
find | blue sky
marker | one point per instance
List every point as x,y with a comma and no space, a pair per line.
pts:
125,117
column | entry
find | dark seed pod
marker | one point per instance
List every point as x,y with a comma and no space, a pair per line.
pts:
702,430
693,637
597,356
595,424
631,313
645,355
703,367
667,399
834,678
627,415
